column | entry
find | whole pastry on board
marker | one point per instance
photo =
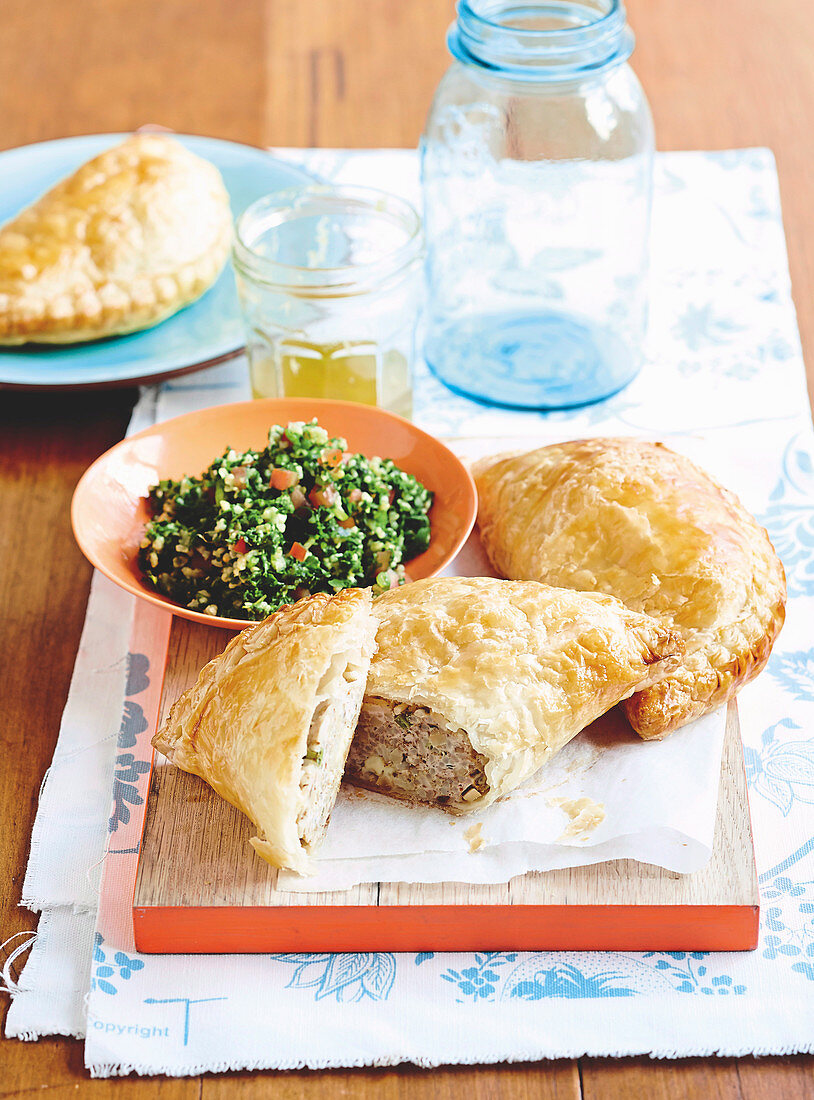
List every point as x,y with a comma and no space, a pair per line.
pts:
130,238
269,721
477,682
640,522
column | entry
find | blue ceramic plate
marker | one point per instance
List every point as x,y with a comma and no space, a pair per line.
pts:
205,332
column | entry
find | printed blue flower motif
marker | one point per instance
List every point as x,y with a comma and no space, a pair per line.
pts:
615,407
127,768
564,980
759,357
790,518
717,366
122,967
698,327
782,770
795,672
138,665
783,886
667,182
446,412
133,723
689,978
424,956
759,208
731,159
348,977
789,932
125,791
778,348
480,981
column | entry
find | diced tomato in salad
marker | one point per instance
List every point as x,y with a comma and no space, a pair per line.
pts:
324,497
332,457
283,479
302,498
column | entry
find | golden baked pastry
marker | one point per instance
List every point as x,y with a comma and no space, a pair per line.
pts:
477,682
269,722
642,523
129,239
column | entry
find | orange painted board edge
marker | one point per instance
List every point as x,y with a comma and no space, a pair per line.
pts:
153,631
253,929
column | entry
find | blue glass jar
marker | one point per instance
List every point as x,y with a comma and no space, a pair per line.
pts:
537,163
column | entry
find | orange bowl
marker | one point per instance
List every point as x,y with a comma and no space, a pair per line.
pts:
109,507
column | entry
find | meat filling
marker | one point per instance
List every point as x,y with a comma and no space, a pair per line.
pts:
408,752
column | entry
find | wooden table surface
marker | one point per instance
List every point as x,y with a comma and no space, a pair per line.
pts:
330,73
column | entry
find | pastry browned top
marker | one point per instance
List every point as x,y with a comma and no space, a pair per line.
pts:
522,667
127,240
640,522
243,726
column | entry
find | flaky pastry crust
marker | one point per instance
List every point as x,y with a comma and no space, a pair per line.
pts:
244,725
126,241
521,667
640,522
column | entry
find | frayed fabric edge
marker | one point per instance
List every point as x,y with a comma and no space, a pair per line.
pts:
35,1036
40,905
103,1069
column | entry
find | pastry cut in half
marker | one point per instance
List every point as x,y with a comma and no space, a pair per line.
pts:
269,721
126,241
477,682
640,522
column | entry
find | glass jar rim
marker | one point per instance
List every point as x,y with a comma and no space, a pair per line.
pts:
614,13
541,54
279,207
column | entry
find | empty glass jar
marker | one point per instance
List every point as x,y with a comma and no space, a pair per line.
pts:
537,176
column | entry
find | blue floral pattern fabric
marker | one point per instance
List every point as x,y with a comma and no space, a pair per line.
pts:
723,369
128,769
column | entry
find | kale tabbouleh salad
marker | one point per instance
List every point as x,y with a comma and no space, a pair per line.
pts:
265,528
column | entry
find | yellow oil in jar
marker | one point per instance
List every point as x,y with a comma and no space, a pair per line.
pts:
345,371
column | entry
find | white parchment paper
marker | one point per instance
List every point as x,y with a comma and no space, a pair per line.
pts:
659,799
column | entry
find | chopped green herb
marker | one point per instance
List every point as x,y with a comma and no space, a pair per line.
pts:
315,755
261,529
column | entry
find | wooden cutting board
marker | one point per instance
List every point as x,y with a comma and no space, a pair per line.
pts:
200,888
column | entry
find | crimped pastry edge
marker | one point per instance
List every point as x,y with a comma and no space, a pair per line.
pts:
89,317
648,708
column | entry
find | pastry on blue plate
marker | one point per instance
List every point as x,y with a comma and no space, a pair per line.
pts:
130,238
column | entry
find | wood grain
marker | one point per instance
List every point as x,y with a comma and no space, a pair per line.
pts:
117,64
712,1079
196,861
538,1081
44,583
54,1068
721,74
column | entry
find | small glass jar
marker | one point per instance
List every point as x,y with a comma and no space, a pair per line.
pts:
537,177
330,283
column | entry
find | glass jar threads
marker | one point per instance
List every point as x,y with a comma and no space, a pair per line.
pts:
537,177
330,284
